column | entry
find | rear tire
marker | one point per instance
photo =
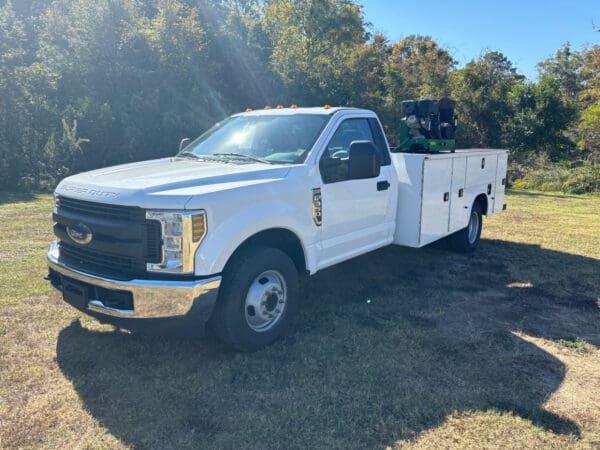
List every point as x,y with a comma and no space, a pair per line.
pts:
467,239
258,299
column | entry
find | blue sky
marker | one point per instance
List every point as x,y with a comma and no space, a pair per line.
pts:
525,31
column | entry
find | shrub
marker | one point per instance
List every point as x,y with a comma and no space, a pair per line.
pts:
583,179
571,178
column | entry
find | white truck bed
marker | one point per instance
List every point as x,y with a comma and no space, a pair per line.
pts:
436,191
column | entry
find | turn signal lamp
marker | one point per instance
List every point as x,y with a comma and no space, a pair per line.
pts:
198,227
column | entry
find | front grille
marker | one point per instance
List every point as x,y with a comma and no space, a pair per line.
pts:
96,262
123,239
100,210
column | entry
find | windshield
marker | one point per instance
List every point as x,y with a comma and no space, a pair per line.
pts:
284,139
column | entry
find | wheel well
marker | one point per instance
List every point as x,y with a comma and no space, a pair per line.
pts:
279,238
483,201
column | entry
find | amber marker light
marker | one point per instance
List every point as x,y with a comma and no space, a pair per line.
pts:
327,106
294,106
198,227
268,107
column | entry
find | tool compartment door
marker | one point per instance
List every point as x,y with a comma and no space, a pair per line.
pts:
500,182
435,212
459,200
481,169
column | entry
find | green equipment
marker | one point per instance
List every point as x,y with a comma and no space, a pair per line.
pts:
427,126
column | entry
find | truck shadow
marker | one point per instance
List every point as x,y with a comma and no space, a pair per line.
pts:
387,345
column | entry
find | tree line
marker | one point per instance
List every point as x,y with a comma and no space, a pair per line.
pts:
90,83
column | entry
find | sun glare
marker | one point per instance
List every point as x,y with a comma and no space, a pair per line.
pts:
238,138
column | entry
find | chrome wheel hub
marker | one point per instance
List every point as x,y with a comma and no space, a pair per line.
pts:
265,300
473,227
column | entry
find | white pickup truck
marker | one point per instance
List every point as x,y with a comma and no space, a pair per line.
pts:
222,232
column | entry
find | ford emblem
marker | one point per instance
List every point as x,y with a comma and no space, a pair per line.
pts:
80,233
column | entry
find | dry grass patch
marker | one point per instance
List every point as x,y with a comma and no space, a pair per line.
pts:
397,348
490,430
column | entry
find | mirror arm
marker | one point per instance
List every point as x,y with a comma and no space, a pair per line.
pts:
184,143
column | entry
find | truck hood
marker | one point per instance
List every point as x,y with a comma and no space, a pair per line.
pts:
165,183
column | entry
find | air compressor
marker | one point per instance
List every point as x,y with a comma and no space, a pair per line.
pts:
427,126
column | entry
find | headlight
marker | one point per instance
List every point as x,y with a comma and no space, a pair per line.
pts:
181,233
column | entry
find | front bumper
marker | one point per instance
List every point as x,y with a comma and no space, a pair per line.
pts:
133,299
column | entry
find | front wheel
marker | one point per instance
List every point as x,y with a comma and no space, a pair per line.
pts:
258,299
466,240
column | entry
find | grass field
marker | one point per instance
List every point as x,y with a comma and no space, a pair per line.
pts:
398,348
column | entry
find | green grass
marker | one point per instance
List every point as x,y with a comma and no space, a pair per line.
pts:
399,348
577,344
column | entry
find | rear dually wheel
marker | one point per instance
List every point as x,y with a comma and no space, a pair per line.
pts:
467,239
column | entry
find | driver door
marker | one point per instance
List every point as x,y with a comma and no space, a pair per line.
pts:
357,215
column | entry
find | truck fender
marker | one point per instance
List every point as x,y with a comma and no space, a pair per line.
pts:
223,240
480,196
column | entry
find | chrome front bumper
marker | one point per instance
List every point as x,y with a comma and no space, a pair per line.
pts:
151,299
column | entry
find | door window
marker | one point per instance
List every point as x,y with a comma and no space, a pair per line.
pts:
334,161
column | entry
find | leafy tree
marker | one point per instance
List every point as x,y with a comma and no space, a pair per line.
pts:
86,42
365,86
589,125
122,71
481,90
590,73
239,50
589,132
26,113
311,43
541,117
417,68
566,68
177,89
62,156
134,77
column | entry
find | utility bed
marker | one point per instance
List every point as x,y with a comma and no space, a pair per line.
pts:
436,191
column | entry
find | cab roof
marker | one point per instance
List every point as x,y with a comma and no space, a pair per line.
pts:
320,110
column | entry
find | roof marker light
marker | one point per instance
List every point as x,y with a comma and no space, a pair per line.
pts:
268,107
294,106
327,106
248,109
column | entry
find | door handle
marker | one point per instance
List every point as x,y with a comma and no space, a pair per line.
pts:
383,185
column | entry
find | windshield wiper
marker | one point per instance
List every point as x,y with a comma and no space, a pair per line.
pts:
239,155
193,155
188,153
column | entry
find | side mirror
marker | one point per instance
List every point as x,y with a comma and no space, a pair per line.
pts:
363,161
184,143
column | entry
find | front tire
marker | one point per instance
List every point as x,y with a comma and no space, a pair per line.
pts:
467,239
258,299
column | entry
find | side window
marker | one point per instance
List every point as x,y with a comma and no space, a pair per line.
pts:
334,161
384,153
